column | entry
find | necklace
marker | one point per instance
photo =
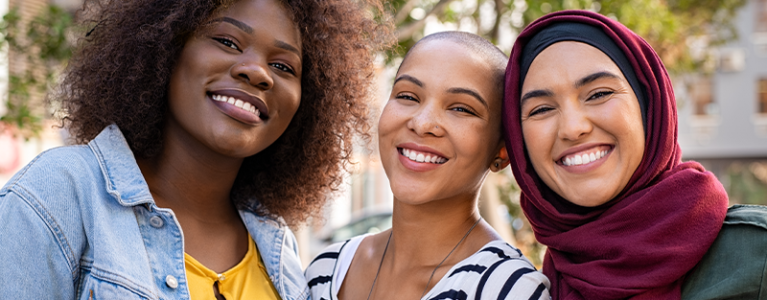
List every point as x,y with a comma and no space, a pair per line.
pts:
432,272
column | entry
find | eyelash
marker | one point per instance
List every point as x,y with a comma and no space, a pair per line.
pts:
406,97
283,68
600,94
227,42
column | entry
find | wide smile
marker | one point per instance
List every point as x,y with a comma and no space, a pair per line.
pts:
239,105
585,158
421,157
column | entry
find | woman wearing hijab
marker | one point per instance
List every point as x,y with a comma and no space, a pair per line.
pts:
591,129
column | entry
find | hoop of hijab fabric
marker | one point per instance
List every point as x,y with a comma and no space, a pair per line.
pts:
640,244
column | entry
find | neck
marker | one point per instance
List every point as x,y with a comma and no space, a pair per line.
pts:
424,234
191,179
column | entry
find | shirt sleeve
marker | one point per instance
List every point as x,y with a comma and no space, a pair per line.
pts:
33,251
513,279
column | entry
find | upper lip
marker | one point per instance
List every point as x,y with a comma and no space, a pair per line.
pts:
419,148
247,97
579,148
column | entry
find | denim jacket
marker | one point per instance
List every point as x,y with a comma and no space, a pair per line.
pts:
79,222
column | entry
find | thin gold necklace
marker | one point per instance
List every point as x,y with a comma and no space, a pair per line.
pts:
432,272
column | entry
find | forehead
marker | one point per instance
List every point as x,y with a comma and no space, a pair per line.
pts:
566,61
272,15
443,64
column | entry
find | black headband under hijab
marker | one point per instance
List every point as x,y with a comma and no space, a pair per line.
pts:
579,32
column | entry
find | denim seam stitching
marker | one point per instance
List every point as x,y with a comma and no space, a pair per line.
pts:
110,277
52,226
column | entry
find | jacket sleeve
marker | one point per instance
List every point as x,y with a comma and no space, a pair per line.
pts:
37,262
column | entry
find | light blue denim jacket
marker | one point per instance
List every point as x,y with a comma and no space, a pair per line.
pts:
79,222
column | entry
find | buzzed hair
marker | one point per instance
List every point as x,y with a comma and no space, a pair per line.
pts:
494,57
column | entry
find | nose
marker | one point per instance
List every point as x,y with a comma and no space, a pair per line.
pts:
427,121
254,72
574,122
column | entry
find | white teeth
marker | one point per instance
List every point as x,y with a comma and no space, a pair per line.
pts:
238,103
422,158
584,158
412,155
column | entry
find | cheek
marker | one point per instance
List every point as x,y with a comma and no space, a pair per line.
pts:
539,141
390,119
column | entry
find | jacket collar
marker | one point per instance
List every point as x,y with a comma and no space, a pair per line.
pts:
122,175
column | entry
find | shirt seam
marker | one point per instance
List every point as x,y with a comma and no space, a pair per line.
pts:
50,222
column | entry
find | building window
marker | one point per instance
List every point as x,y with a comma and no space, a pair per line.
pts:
701,93
762,96
761,16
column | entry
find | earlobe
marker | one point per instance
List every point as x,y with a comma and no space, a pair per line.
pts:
501,160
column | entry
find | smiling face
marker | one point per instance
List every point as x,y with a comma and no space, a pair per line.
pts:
581,123
440,130
237,83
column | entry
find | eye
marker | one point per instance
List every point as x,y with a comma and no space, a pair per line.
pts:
600,94
539,110
283,68
227,42
406,96
463,110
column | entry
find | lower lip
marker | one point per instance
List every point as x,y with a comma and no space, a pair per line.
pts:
414,165
585,168
236,113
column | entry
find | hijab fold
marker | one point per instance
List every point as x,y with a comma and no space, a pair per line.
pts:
640,244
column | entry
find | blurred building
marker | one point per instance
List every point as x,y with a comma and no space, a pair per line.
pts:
723,115
15,151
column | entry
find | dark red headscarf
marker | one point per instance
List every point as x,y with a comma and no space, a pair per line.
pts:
642,243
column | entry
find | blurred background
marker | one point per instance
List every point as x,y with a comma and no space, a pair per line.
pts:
715,51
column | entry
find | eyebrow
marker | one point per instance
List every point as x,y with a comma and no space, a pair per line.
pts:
242,26
598,75
286,46
409,78
470,92
535,94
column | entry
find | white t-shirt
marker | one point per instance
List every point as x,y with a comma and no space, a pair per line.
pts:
497,271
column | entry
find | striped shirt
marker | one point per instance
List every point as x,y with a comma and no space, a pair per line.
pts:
497,271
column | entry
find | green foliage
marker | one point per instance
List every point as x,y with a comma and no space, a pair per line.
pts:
668,25
41,46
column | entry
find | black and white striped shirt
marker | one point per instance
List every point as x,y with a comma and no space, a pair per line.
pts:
497,271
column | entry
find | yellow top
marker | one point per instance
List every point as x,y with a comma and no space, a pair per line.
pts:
247,280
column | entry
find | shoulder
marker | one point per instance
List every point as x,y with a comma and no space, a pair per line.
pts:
55,179
500,271
322,266
735,266
61,165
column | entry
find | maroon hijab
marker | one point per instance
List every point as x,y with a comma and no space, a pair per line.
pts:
642,243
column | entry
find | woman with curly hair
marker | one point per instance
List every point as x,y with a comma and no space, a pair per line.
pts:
205,129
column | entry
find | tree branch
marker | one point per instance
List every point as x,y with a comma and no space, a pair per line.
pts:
408,30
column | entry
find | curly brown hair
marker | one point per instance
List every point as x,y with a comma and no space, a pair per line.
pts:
121,70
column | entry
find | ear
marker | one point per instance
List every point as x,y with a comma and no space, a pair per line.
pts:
501,160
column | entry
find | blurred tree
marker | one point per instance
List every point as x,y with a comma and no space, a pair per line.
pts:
42,46
679,30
